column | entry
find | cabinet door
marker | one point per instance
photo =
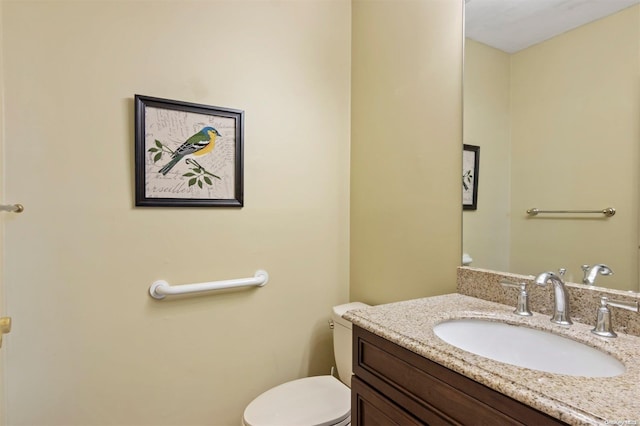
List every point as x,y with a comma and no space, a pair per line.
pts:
370,408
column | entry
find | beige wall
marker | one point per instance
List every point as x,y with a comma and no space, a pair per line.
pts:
595,68
89,345
487,124
405,149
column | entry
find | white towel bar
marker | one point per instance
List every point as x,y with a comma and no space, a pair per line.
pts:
161,288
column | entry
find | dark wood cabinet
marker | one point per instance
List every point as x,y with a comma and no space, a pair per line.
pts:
394,386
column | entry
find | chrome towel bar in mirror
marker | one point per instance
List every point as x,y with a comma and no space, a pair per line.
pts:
608,212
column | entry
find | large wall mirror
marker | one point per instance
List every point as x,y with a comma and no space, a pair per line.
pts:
552,98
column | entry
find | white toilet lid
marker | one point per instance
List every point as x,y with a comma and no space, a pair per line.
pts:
317,401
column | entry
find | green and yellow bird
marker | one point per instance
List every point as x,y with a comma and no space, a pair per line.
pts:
199,144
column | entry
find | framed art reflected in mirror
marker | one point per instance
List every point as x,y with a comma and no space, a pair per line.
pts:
470,171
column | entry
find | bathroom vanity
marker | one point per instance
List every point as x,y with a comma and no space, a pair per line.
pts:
404,374
388,377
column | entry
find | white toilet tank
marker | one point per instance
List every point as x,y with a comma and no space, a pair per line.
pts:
342,339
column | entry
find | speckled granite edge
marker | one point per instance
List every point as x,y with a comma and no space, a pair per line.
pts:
574,400
583,300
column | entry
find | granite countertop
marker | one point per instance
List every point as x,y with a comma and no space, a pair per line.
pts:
574,400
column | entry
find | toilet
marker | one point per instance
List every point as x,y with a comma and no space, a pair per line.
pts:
312,401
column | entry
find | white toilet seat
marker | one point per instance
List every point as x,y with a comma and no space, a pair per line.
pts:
312,401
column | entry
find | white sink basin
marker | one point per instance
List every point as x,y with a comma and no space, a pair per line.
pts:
529,348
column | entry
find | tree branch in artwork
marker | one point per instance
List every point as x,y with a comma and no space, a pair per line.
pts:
199,174
158,150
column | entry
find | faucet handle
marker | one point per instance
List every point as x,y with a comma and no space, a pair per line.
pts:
522,307
603,326
562,271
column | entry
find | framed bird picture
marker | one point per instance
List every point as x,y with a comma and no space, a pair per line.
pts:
187,155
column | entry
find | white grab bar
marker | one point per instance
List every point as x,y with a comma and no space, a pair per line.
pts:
160,289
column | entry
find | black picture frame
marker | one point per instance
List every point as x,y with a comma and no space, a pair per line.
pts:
470,173
187,154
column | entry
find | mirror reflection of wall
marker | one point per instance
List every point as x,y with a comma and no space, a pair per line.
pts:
559,128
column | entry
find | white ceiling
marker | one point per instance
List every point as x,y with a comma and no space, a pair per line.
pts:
512,25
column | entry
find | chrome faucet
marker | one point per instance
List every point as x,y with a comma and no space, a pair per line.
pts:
590,273
561,313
